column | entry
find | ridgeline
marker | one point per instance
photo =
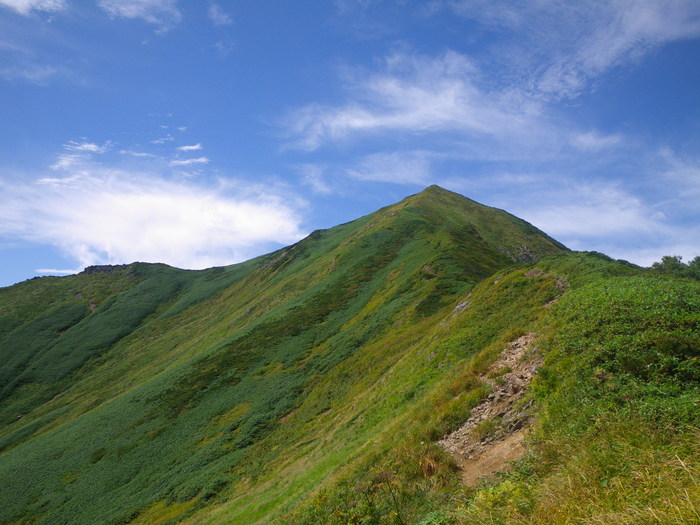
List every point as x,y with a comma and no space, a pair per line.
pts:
319,384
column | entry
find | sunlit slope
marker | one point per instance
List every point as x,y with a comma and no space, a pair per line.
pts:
311,385
146,390
614,408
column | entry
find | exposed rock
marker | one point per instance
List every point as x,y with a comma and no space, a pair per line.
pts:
526,254
461,306
482,448
105,268
428,269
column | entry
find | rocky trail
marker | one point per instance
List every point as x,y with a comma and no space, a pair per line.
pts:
494,433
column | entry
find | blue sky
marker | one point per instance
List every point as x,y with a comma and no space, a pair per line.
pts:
205,133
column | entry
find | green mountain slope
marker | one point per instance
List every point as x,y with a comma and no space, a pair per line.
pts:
311,385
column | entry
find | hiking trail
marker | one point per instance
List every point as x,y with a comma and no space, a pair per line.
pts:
494,433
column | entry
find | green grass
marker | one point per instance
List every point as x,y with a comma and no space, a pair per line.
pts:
310,385
616,436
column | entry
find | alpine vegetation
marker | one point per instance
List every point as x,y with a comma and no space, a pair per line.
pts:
435,362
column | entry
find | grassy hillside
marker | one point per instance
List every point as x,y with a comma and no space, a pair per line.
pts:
311,385
616,404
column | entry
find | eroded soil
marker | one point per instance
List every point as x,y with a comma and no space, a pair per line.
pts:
494,433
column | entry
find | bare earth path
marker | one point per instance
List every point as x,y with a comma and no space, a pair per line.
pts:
494,433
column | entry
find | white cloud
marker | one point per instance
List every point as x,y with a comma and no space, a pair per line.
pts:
59,180
314,176
603,216
32,73
189,162
80,153
462,120
136,153
194,147
12,46
89,147
590,211
564,46
54,271
224,48
163,140
507,96
682,170
409,167
646,255
68,161
108,216
25,7
163,13
594,141
680,175
416,95
218,16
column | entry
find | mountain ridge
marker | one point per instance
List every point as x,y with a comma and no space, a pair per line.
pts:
244,393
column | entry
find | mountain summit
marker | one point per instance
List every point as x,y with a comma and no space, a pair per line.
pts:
316,383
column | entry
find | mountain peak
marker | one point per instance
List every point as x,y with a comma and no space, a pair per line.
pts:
434,188
435,194
438,191
204,370
517,239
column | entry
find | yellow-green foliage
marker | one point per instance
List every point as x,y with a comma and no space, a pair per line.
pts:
310,385
615,442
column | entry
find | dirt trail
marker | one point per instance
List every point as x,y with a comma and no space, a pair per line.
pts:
494,433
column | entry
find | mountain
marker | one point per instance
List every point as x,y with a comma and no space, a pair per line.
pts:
338,380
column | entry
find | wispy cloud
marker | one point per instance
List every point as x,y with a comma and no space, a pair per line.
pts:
89,147
68,161
163,140
413,94
56,271
314,176
604,215
681,174
38,74
564,46
25,7
224,48
218,16
193,147
509,94
189,162
101,215
586,211
14,46
405,167
683,169
133,153
464,120
162,13
356,18
594,141
77,159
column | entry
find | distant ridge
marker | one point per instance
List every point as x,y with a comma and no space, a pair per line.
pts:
105,268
